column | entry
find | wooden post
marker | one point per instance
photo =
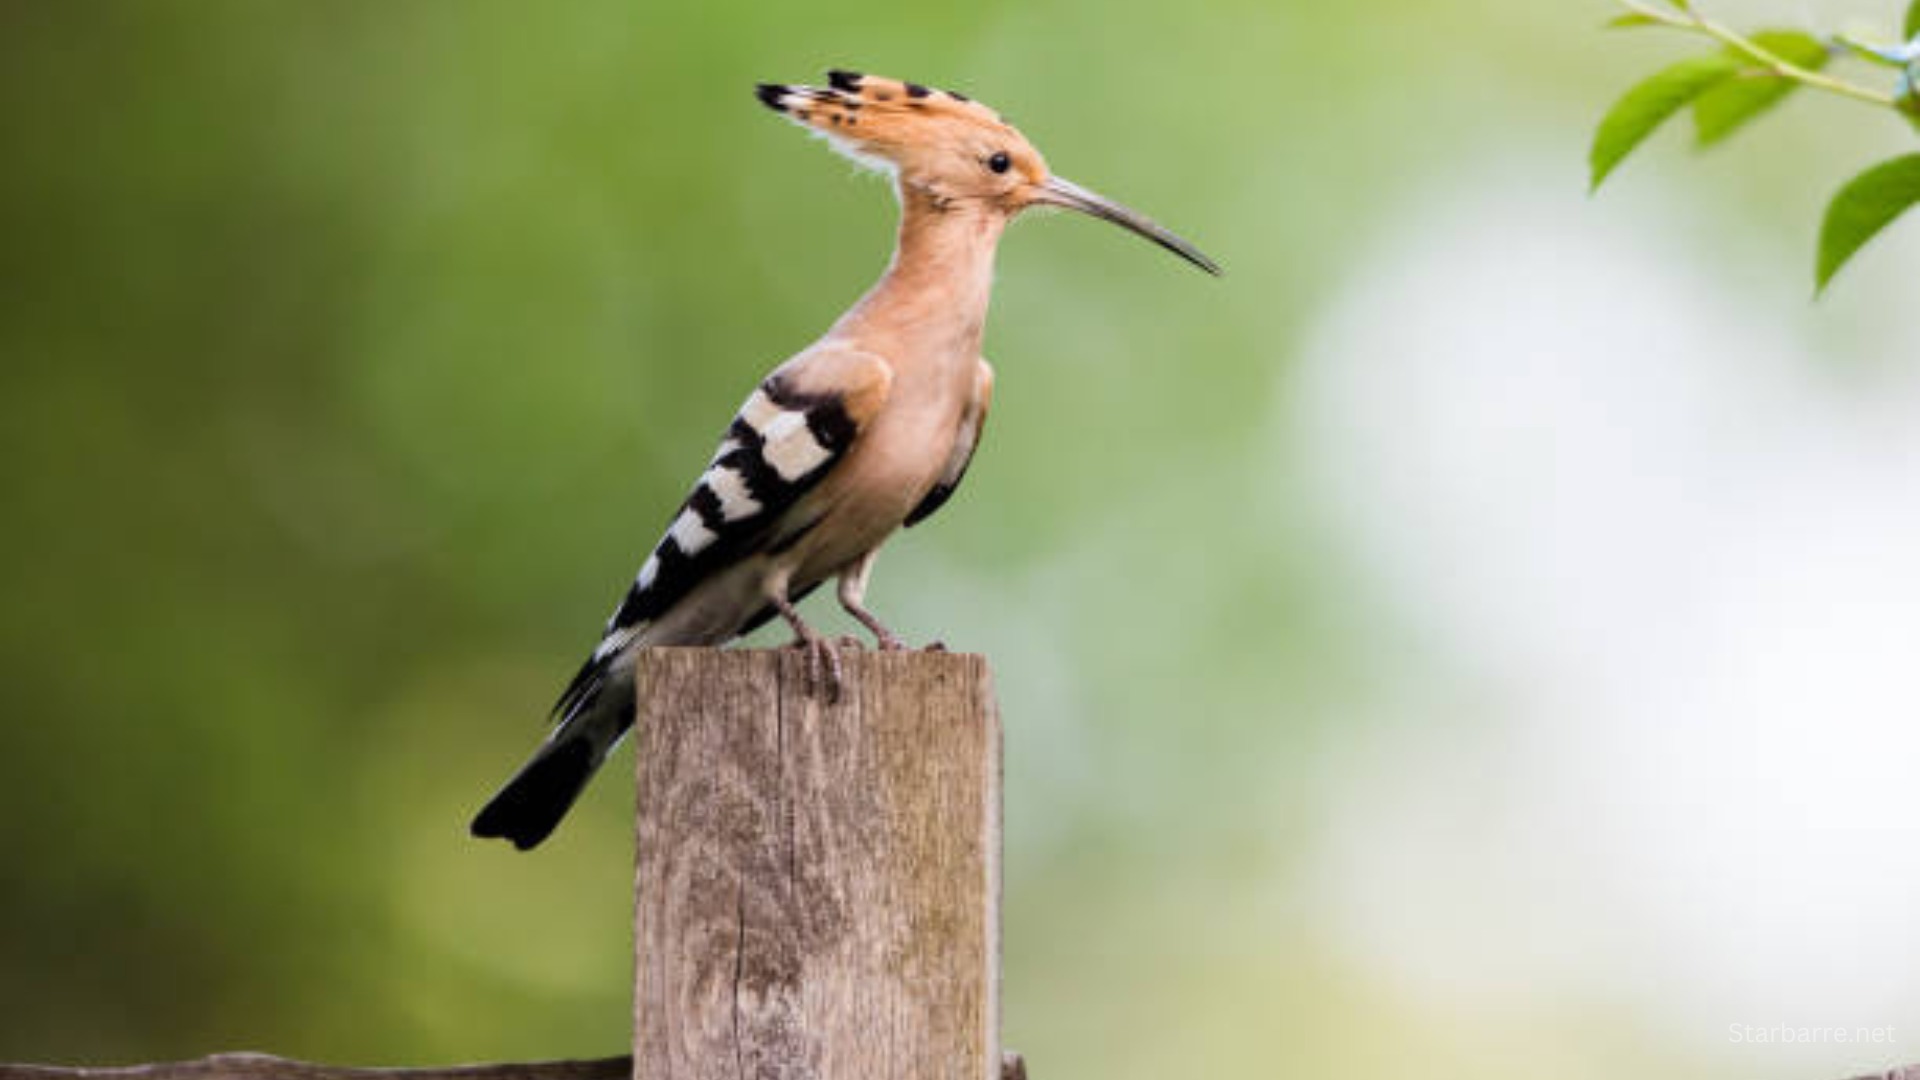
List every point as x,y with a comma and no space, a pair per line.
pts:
818,885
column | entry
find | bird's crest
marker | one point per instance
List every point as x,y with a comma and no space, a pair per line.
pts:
881,122
839,104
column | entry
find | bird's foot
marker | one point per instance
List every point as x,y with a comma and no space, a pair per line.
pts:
825,676
823,663
885,639
935,646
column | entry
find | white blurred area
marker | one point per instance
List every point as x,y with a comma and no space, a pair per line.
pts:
1650,531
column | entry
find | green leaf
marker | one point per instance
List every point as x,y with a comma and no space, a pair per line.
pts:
1728,107
1913,21
1869,203
1794,46
1634,19
1645,107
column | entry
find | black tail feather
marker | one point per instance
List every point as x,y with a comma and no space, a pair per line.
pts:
539,795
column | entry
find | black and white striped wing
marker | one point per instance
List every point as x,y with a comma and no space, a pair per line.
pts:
785,439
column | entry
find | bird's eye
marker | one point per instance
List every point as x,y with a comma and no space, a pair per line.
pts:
1000,162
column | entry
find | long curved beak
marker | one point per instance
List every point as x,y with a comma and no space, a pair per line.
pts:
1058,192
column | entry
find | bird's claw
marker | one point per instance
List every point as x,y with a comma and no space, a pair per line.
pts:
935,646
883,639
824,674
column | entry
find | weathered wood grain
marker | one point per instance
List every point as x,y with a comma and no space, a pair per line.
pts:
817,892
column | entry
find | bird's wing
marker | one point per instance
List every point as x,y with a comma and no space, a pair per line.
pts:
787,436
971,425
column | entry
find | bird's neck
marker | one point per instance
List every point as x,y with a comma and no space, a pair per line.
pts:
932,301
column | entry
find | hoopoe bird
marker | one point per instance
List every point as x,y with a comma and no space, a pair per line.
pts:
866,431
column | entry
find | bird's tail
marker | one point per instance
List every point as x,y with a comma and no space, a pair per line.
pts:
595,712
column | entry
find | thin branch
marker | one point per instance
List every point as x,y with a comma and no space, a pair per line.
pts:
1693,22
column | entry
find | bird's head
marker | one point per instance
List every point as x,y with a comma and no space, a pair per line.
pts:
949,149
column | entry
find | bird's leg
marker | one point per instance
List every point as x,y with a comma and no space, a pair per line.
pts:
823,663
853,591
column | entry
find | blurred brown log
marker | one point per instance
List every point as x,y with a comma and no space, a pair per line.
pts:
818,889
268,1067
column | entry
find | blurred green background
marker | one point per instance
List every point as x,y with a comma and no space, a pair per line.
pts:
1475,636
